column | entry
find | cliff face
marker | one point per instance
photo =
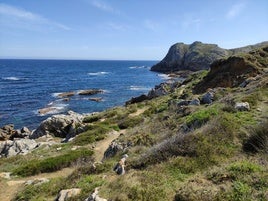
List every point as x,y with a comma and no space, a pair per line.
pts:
235,70
196,56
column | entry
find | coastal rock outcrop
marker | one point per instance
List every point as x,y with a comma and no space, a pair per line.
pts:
18,146
196,56
64,126
235,70
90,92
159,90
8,132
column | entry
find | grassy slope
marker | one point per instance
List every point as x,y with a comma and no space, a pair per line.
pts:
209,161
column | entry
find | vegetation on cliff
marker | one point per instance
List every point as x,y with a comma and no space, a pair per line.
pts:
197,56
176,151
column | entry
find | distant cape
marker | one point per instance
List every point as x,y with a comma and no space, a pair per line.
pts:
196,56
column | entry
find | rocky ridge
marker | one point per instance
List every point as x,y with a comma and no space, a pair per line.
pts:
196,56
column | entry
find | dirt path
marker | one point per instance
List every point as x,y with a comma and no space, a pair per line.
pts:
9,188
101,146
138,112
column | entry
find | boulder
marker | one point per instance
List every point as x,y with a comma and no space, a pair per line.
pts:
9,133
64,126
18,146
207,98
243,106
68,193
114,148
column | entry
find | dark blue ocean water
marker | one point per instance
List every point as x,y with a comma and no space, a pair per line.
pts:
29,85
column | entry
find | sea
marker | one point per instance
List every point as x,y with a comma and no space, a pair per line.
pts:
26,86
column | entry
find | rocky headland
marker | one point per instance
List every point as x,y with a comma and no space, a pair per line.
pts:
202,135
196,56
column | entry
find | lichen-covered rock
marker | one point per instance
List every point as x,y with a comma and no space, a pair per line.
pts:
68,193
18,146
243,106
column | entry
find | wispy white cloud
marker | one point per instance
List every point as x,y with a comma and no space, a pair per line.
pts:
22,15
118,27
191,23
101,5
151,25
235,10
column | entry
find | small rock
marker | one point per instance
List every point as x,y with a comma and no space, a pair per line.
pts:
68,193
5,175
183,103
37,181
195,101
59,148
243,106
207,98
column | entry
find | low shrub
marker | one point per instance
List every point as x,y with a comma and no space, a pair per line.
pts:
52,164
258,139
91,118
94,133
200,117
130,122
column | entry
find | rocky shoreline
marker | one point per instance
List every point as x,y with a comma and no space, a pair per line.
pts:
65,126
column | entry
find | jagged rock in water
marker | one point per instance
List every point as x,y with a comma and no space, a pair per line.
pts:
61,125
90,92
18,146
68,193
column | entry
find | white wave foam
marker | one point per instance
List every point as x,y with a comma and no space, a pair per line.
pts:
135,67
163,76
98,73
12,78
139,88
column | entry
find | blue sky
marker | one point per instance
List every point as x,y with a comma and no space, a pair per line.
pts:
125,29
